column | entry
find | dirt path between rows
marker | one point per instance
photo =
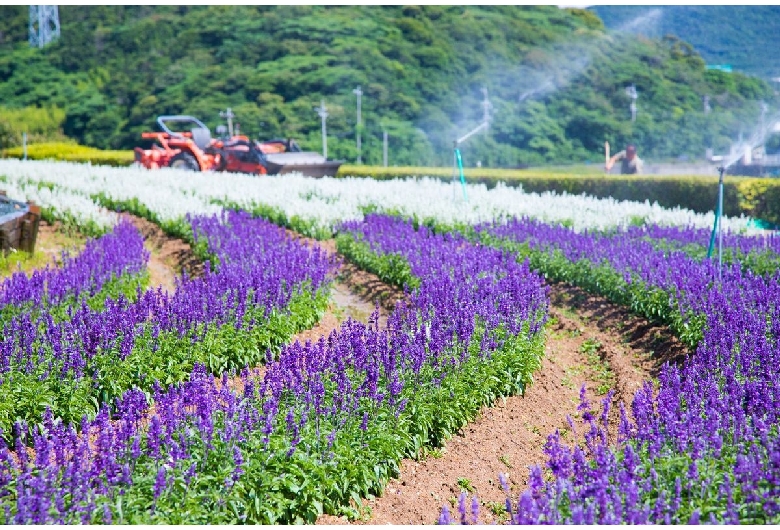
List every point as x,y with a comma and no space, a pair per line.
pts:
169,256
355,294
590,341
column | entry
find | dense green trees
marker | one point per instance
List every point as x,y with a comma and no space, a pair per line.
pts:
556,79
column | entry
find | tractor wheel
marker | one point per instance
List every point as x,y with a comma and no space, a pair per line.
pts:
184,161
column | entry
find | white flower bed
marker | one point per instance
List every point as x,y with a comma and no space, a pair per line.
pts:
63,202
171,194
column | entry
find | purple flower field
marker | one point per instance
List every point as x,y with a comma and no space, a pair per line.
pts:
323,423
703,445
194,407
78,357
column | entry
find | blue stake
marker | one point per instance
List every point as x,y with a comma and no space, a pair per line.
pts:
462,177
716,228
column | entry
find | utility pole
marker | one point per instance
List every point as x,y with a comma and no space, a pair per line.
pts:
229,115
631,91
358,92
384,148
44,25
323,113
764,108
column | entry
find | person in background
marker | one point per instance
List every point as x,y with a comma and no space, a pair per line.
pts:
630,163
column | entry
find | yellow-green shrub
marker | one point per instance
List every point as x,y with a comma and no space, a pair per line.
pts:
40,124
72,152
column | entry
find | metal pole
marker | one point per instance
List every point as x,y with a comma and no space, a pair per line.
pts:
631,91
358,92
24,145
384,148
229,115
764,108
323,113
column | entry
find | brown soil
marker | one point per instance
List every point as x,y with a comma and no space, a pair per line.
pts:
651,345
169,256
590,341
53,240
355,294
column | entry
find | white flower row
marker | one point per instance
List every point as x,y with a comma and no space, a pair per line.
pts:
63,203
171,194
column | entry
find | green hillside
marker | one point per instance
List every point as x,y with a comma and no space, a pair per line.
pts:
556,80
745,37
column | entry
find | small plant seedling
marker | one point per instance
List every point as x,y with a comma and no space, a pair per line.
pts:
465,484
505,460
590,346
435,452
604,375
499,510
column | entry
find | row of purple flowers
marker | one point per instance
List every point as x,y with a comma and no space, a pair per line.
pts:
327,422
703,445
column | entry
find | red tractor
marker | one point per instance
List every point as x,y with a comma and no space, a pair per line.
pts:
185,142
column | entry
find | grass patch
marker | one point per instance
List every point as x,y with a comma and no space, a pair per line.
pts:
604,376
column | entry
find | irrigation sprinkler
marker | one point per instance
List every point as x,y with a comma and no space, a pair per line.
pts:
718,226
458,159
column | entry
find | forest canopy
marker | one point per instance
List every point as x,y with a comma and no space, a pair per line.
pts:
556,80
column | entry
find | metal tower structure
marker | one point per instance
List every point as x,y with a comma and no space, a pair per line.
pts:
44,25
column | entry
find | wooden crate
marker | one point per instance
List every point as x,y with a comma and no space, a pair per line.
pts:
18,224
